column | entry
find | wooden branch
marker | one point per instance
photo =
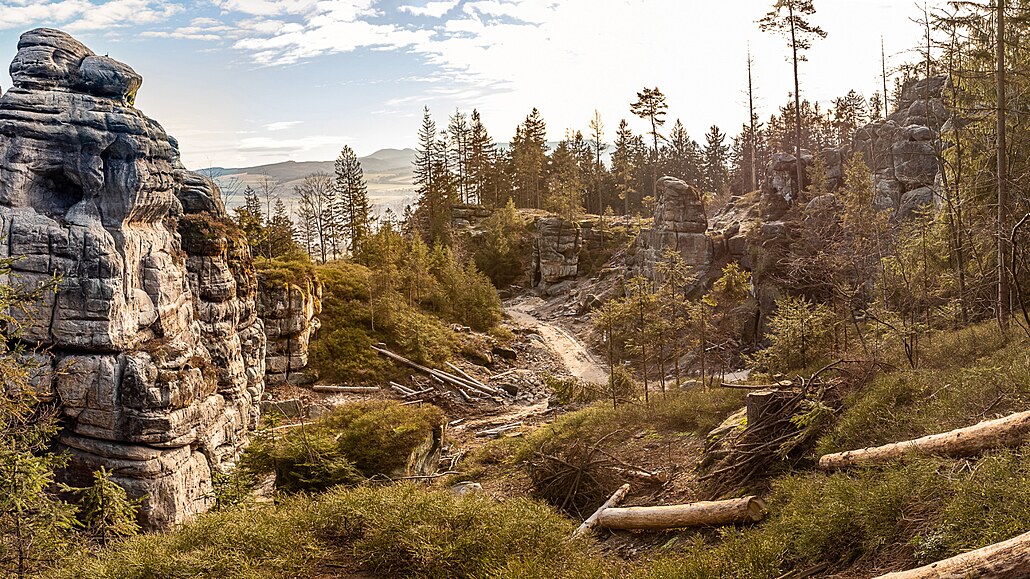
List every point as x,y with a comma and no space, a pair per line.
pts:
703,514
613,500
1006,560
346,389
1009,431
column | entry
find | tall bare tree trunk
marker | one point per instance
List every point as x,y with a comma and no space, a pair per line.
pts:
751,119
1004,308
797,102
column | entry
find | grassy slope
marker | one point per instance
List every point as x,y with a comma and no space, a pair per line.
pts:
860,522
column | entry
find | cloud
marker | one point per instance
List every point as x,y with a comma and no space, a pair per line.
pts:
266,146
431,9
281,125
80,15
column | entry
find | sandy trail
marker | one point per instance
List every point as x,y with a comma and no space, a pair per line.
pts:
573,353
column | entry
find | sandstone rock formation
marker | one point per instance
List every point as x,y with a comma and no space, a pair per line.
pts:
902,149
679,225
153,333
555,253
289,310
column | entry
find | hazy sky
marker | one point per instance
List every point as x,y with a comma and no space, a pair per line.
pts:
245,82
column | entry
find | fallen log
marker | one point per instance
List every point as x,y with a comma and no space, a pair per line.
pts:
613,500
702,514
346,389
439,374
403,390
1009,431
1006,560
499,430
466,376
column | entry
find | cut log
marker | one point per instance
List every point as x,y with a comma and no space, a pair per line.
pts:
346,389
613,500
1006,560
703,514
1009,431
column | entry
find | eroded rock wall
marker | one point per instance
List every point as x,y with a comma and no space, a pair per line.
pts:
289,309
154,337
679,226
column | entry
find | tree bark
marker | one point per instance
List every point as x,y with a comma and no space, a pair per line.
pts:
1004,307
1004,432
702,514
1006,560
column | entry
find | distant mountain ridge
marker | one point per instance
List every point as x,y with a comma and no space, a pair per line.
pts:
381,161
389,173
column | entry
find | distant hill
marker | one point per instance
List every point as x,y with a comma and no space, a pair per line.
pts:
389,174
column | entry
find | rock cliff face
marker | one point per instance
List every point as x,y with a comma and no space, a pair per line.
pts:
289,310
555,253
679,225
153,333
902,150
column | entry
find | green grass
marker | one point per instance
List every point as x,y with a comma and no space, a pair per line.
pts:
966,376
391,531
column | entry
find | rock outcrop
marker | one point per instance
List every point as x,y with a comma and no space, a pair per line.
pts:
153,332
679,225
555,253
289,310
902,150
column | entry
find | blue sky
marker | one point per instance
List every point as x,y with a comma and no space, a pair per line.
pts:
245,82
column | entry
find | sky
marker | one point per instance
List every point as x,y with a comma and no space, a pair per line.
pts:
250,82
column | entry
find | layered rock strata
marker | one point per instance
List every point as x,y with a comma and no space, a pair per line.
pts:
556,248
679,226
154,337
289,310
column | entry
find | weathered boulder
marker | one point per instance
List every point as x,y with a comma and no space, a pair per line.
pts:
289,310
155,335
679,225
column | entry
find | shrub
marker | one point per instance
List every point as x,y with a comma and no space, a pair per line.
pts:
354,441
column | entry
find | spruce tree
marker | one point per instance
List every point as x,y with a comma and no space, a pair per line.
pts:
352,192
716,155
529,160
483,165
106,510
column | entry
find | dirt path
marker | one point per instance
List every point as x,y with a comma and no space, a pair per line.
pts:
573,353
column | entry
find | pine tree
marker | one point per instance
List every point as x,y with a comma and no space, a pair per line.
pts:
681,156
460,137
651,106
432,181
484,180
352,193
316,204
567,184
799,33
35,524
598,169
280,231
251,220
